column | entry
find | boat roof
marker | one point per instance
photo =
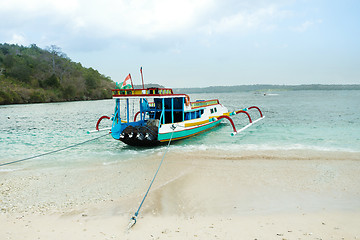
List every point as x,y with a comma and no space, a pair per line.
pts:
145,93
160,93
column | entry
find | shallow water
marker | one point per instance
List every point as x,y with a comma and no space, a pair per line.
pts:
322,120
304,153
316,120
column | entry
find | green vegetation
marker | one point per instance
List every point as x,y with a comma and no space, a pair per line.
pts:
32,75
267,88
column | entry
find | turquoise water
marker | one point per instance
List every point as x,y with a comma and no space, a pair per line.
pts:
320,120
316,120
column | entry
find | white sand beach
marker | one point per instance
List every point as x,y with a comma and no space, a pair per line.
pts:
295,194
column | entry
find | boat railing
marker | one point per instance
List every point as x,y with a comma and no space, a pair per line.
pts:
142,92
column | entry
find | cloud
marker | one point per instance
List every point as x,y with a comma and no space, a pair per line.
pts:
137,18
38,6
142,19
263,19
305,26
18,39
86,24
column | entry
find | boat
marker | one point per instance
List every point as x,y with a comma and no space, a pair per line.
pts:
152,116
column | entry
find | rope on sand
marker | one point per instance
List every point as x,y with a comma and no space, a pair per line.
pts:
133,219
55,151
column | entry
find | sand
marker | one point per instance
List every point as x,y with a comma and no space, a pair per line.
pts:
293,194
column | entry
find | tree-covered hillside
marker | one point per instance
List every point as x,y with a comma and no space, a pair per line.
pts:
267,87
31,74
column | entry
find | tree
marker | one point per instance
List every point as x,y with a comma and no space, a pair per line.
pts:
18,68
52,82
69,92
4,48
32,74
91,78
55,54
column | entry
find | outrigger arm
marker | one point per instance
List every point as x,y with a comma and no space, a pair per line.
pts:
226,116
97,125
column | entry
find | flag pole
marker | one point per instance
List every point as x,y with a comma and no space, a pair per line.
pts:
131,82
142,78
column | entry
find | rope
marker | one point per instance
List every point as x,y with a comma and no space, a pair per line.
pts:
133,110
155,133
55,151
133,219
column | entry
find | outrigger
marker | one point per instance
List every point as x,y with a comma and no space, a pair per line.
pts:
151,116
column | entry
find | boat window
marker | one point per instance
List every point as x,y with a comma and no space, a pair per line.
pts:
212,110
173,110
193,115
215,109
198,115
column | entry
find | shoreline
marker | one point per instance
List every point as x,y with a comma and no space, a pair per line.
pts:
318,225
196,195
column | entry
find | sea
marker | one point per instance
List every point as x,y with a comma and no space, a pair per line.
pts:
325,121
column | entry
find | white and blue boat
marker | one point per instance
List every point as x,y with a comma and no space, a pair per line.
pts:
151,116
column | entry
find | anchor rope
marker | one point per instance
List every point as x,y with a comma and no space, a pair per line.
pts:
55,151
155,133
152,181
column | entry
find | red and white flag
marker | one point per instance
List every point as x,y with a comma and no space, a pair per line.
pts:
127,82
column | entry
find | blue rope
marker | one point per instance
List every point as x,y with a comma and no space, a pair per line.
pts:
47,153
167,149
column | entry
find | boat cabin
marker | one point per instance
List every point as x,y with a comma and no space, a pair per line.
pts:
141,113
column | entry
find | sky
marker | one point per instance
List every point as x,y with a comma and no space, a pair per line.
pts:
197,43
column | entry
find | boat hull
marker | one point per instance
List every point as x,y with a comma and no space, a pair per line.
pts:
181,132
142,136
147,137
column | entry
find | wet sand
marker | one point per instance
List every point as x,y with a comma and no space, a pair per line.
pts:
293,194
